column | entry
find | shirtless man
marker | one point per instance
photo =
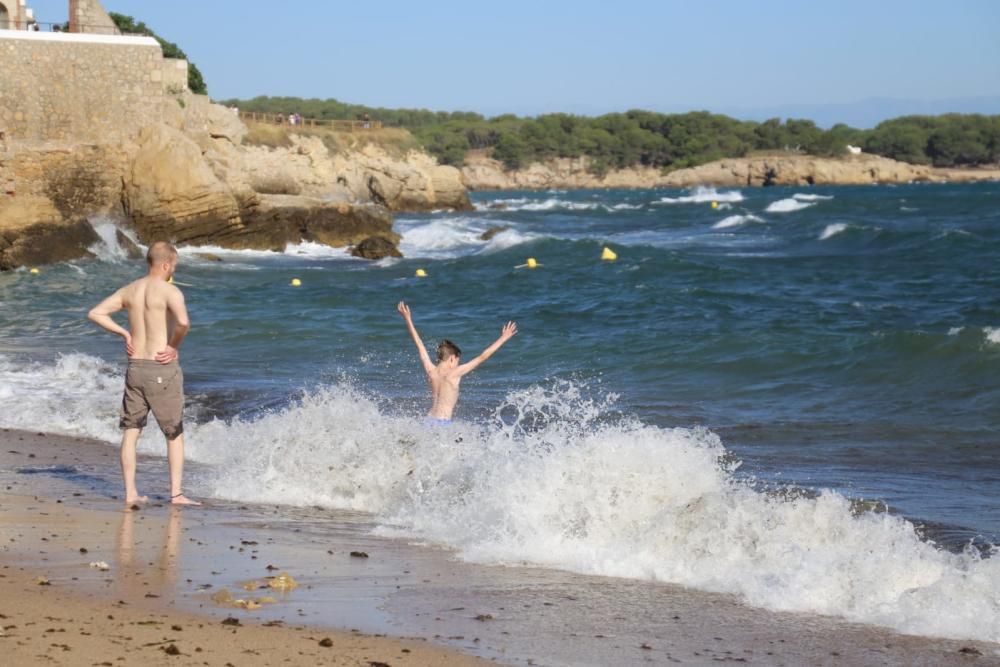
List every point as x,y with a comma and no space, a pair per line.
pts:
445,377
158,322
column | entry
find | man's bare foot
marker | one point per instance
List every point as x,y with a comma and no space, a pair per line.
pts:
181,499
136,499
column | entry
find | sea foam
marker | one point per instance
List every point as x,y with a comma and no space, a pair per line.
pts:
702,195
552,479
787,205
832,230
736,221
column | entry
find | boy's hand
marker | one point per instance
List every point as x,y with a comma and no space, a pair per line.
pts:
509,330
404,310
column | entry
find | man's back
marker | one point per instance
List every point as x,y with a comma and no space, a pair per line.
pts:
149,315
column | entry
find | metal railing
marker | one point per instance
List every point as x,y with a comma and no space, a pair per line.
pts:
338,125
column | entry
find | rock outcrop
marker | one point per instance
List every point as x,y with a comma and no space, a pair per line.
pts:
376,247
189,179
33,231
412,182
171,193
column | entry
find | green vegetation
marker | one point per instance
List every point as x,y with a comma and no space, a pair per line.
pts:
127,24
666,141
394,140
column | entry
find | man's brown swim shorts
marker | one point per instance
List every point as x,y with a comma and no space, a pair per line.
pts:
154,386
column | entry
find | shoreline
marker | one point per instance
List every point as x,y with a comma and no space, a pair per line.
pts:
164,561
484,174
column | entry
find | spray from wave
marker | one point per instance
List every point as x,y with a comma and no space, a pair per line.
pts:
787,205
701,195
553,482
832,230
736,221
443,238
553,479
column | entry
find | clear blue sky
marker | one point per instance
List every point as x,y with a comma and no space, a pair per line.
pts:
587,57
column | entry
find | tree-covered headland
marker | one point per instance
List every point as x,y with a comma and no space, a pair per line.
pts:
669,141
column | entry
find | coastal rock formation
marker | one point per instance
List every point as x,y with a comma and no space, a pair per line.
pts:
376,247
282,219
411,182
171,193
33,231
483,173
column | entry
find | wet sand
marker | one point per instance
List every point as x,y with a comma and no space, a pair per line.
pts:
168,568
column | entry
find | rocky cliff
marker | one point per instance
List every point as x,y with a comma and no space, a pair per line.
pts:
191,180
483,173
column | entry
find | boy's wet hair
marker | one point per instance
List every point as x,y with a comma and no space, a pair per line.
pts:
447,349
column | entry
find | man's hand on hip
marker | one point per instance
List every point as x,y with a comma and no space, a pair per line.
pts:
166,355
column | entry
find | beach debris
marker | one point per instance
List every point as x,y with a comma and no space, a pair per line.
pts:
326,642
969,650
484,617
253,585
171,649
83,550
100,565
271,568
176,628
222,597
248,543
645,646
377,663
229,620
283,582
42,581
359,554
249,605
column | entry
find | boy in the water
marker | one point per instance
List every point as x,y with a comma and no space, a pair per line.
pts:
447,374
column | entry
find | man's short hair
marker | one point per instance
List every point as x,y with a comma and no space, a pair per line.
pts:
160,252
447,349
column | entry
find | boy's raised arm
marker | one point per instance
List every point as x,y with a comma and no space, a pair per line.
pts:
425,358
509,331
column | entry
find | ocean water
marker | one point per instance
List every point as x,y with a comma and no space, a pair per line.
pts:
791,396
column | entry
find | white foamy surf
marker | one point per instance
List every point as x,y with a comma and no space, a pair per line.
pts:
832,230
787,205
444,238
701,195
736,221
992,334
551,481
108,248
810,197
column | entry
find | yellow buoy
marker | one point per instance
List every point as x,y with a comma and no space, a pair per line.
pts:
715,204
608,255
530,263
296,282
35,271
420,273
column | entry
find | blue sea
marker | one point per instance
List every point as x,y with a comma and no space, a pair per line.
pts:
788,394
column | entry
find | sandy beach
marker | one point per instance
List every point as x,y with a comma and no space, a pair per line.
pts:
177,585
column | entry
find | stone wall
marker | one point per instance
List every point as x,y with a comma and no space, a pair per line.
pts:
79,88
175,76
88,16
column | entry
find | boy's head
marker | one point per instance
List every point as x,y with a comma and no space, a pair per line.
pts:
448,350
